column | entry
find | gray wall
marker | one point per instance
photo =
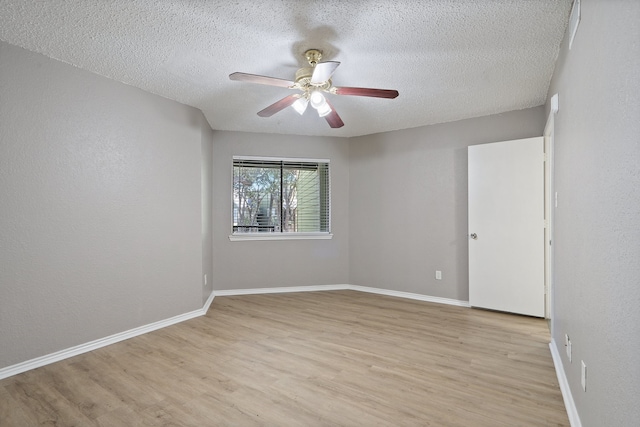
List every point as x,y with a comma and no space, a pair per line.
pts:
259,264
105,211
100,207
597,221
408,203
207,209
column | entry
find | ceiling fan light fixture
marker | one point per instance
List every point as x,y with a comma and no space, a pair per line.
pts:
300,105
323,109
317,99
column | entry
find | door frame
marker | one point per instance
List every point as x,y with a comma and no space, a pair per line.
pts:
550,201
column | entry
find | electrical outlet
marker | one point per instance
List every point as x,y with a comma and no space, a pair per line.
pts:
438,275
583,377
554,103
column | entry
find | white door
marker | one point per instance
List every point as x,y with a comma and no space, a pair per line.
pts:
506,226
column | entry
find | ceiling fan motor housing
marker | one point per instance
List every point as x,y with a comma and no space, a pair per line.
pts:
303,81
303,75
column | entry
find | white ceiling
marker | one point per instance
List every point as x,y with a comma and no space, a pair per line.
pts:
449,59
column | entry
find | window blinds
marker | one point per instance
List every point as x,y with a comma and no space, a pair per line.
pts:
280,195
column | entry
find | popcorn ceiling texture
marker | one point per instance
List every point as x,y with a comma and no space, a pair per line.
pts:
449,60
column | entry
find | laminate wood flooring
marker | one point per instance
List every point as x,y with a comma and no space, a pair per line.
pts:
338,358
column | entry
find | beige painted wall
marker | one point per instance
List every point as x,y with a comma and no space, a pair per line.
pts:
100,207
259,264
408,202
597,239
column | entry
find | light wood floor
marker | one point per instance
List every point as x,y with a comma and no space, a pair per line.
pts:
305,359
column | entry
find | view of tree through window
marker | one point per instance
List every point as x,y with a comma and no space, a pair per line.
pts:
280,196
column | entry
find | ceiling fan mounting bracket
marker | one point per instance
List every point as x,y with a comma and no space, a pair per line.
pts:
313,56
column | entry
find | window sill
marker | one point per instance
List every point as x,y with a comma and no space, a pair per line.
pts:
239,237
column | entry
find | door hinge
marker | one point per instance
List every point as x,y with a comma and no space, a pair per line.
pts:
544,157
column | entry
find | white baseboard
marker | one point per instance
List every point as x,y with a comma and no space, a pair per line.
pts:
410,295
569,403
387,292
254,291
207,303
102,342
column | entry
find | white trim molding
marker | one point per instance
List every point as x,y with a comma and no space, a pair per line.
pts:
282,159
409,295
238,237
399,294
101,342
281,290
569,403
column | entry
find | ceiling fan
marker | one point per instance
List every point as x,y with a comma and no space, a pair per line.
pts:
312,81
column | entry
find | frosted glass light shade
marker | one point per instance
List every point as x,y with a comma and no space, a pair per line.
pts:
324,109
300,105
317,99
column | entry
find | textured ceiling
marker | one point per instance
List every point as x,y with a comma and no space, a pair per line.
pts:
449,59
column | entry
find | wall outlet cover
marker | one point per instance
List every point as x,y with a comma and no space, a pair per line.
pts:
554,103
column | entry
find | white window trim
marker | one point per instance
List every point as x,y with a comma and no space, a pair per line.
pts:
240,237
244,237
282,159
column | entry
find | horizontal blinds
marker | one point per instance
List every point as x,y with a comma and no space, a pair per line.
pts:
256,163
273,195
248,163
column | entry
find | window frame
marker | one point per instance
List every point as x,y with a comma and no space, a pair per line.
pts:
319,235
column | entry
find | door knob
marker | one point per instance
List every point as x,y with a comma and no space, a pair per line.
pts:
474,236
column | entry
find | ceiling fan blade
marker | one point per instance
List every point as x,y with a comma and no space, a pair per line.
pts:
333,118
323,71
363,91
278,106
263,80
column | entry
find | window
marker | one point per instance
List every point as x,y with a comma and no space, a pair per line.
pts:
285,198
